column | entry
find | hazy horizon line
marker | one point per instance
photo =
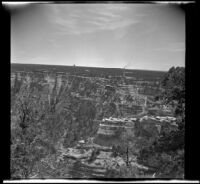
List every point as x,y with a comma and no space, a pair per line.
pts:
96,66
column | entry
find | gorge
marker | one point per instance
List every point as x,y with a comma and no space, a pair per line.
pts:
83,114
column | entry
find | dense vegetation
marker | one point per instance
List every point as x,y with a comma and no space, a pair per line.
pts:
39,126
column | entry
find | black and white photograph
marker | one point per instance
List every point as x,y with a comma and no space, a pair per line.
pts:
97,91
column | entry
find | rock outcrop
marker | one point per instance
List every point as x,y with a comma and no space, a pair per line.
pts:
110,128
91,157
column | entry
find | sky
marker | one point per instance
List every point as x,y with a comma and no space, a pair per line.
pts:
134,36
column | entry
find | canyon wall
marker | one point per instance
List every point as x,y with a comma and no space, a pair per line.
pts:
81,100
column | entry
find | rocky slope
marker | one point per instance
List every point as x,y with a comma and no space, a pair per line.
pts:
90,158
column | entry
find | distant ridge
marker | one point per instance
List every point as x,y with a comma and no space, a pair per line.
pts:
25,64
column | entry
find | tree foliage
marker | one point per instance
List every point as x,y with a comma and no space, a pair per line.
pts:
25,128
173,84
40,121
166,154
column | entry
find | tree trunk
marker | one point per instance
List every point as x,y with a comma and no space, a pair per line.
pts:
127,157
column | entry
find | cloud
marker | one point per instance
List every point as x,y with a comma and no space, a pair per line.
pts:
91,18
172,47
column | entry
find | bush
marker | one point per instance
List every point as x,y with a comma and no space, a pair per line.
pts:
94,154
